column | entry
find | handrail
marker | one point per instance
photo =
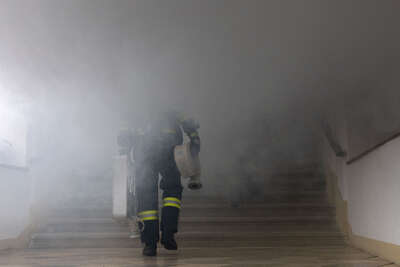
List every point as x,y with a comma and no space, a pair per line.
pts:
334,144
368,151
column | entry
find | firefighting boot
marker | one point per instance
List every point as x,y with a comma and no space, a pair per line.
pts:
168,241
150,250
149,236
169,223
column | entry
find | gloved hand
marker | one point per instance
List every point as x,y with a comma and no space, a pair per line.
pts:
195,146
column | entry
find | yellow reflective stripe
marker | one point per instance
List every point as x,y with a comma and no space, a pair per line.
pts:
172,205
172,199
194,134
152,218
172,202
147,212
148,215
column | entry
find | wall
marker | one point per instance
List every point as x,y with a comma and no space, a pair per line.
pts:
375,117
12,140
374,186
15,176
366,196
15,199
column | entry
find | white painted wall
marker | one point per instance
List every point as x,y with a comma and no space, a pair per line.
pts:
374,194
371,186
15,179
13,138
15,200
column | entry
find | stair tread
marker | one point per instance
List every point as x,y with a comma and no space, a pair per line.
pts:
195,242
256,219
196,234
293,212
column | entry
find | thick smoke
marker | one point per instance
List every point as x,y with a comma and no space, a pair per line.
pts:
258,75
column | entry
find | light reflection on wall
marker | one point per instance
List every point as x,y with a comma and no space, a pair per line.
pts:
13,133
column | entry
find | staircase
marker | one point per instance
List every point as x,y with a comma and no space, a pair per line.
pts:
294,212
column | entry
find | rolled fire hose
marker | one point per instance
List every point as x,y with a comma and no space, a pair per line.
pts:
188,166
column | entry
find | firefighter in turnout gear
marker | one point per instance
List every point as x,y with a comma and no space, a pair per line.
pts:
154,155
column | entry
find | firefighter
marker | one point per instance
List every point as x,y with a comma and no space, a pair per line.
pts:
154,155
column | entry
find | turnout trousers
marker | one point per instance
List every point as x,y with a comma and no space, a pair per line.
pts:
148,169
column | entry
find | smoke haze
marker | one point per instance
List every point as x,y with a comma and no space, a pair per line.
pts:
257,75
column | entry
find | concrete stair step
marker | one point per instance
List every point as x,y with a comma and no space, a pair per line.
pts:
296,186
290,226
81,213
232,219
202,227
191,234
290,180
293,211
290,197
273,192
285,199
106,240
211,210
301,176
255,205
108,225
83,227
257,212
213,219
58,220
95,205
